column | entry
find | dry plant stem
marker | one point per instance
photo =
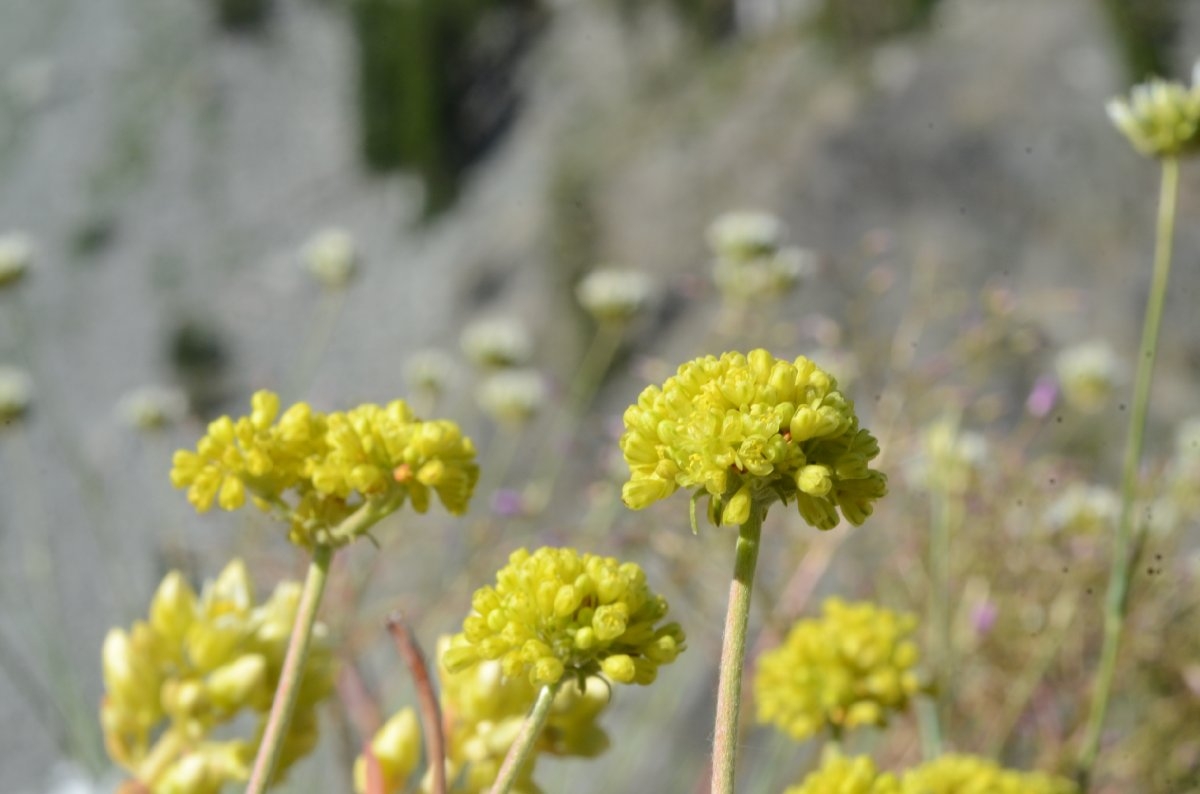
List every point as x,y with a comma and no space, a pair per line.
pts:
522,747
427,701
292,673
1117,599
733,654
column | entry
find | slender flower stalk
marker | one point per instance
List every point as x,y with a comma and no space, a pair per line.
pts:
1123,557
293,670
523,746
733,654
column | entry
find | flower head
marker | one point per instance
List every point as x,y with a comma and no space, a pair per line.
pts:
749,429
153,407
1088,374
396,748
513,396
195,667
841,775
1161,118
497,342
850,667
319,469
16,393
16,255
557,613
950,458
331,257
1084,509
962,774
612,295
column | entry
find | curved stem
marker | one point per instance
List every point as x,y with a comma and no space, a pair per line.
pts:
1117,599
522,746
292,673
733,654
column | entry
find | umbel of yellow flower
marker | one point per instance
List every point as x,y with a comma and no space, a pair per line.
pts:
318,469
747,430
966,774
850,667
198,664
1161,118
841,775
556,613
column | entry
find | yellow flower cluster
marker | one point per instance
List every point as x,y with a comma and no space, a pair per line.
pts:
1161,118
841,775
482,712
966,774
198,664
319,469
749,429
556,613
850,667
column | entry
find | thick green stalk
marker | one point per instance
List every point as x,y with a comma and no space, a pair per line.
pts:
522,746
292,673
1117,600
733,654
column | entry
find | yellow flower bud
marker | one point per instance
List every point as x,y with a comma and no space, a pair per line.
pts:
233,685
397,749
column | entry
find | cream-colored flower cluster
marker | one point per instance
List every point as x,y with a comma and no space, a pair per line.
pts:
612,295
1161,118
853,666
194,668
556,613
318,469
750,429
750,261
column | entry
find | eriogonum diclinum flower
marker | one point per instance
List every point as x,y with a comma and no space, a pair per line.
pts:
965,774
1084,509
1088,373
16,254
853,666
152,407
397,749
1161,118
841,775
177,683
750,429
613,296
512,396
317,468
749,259
497,342
950,459
331,257
16,393
557,613
483,711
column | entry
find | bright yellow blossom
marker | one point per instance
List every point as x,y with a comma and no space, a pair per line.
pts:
850,667
557,613
318,469
966,774
194,668
747,430
841,775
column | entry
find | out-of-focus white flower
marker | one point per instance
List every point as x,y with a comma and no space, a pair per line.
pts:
429,371
950,458
16,257
497,342
513,396
745,234
613,295
153,407
1088,374
331,256
1083,509
16,393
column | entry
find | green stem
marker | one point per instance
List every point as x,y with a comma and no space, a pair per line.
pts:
1117,600
292,673
944,500
522,746
733,654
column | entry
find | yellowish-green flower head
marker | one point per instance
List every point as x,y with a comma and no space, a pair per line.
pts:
16,255
747,430
316,469
483,710
1089,374
966,774
852,666
397,750
841,775
557,613
1161,118
612,295
194,668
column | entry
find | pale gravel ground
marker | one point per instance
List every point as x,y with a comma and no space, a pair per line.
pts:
984,146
